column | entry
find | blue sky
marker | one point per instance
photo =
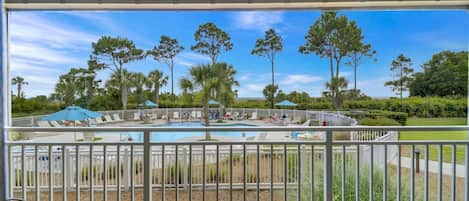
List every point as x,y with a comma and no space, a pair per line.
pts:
47,44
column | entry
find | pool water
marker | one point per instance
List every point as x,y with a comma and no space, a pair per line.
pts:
175,136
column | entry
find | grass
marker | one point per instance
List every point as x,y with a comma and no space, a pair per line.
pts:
436,135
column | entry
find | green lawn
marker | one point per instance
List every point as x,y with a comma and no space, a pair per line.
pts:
437,135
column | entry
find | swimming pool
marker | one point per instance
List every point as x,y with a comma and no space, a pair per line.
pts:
175,136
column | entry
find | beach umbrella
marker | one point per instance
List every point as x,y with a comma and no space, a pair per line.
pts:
149,103
72,113
286,103
213,102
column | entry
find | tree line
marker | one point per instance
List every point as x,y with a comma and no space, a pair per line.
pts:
332,36
445,74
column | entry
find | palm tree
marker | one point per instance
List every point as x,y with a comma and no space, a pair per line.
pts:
138,81
155,81
19,82
120,81
336,88
213,81
203,79
187,87
225,81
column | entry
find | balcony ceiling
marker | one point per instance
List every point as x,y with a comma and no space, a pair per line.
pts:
230,4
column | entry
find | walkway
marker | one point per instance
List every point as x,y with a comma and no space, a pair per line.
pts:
433,166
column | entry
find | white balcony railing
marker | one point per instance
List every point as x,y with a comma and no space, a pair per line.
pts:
327,169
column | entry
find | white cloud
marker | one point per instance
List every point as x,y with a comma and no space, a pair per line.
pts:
30,27
189,59
25,66
46,55
39,84
257,20
108,24
438,39
41,48
345,74
251,89
299,79
253,84
255,87
244,77
375,87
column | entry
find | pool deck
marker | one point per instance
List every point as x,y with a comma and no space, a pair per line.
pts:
72,137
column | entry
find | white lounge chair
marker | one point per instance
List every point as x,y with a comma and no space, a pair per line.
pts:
199,115
117,118
154,116
43,124
176,115
137,116
92,122
235,116
253,116
193,115
55,124
275,116
108,118
243,116
99,120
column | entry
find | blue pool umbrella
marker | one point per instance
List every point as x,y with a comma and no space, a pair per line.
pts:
213,102
149,103
286,103
72,113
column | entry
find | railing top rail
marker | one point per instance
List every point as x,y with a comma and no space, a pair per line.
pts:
99,5
223,128
231,142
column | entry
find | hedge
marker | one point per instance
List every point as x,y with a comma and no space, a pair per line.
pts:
380,121
415,106
398,117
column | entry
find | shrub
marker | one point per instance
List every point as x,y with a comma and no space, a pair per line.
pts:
414,106
380,121
398,117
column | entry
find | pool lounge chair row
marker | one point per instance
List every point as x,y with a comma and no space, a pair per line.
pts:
235,116
193,115
57,124
99,120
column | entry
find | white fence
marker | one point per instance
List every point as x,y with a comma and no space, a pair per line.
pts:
331,118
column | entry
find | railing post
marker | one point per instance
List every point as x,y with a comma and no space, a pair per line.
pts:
68,167
184,166
70,174
303,155
126,169
4,101
328,166
147,177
